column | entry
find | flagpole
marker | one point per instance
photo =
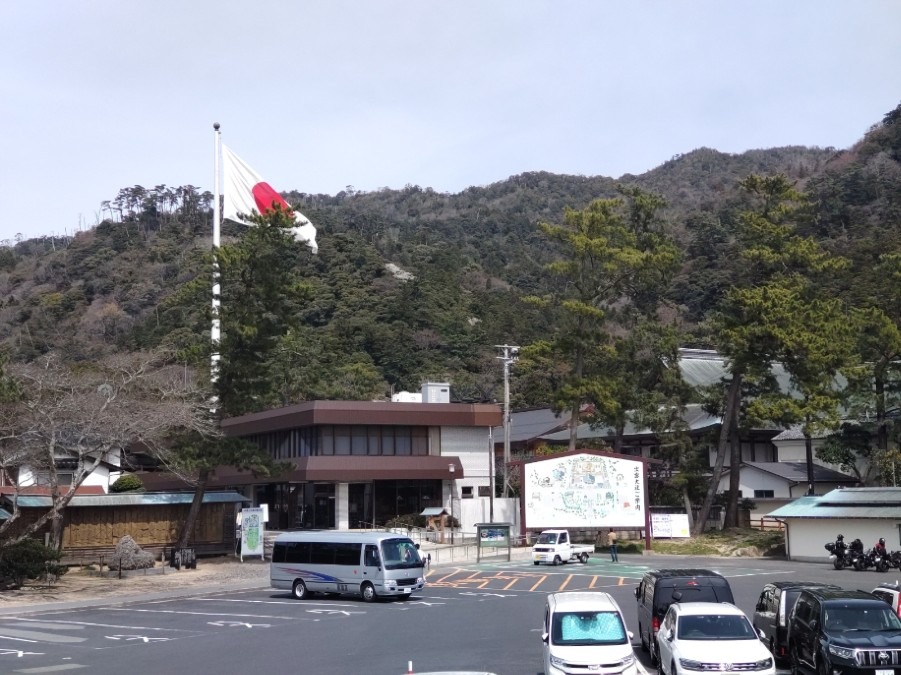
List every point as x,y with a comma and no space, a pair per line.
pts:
215,327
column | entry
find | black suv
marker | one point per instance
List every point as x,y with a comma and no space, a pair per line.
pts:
847,632
773,610
659,589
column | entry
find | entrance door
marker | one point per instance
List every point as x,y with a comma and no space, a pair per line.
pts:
359,505
324,506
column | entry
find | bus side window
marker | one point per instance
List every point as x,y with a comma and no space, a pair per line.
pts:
371,556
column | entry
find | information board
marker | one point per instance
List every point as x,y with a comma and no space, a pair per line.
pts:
253,531
669,525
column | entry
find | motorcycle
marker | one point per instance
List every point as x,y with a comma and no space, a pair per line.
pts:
894,559
872,558
841,554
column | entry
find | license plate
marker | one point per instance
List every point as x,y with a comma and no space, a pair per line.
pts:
885,672
407,590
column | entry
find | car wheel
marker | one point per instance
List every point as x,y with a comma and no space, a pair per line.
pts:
534,562
583,558
653,646
556,560
367,590
644,644
300,590
823,667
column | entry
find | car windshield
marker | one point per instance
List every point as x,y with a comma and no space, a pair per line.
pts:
715,627
547,538
848,618
588,628
400,554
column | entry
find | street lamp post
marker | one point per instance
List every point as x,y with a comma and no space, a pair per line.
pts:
508,356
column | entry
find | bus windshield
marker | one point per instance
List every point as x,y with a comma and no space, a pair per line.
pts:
398,554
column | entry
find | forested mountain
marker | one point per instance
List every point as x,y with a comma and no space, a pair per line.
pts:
414,284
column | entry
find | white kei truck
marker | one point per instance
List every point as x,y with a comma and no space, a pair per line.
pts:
555,547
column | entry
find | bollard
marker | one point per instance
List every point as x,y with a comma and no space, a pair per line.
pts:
409,668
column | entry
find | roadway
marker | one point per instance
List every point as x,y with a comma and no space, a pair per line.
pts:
470,617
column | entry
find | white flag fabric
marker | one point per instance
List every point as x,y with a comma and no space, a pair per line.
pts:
245,193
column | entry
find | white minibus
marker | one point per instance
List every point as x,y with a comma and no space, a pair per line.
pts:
372,564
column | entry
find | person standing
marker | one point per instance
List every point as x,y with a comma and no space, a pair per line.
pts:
611,543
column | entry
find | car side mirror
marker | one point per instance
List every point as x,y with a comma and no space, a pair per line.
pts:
630,634
814,624
761,634
544,637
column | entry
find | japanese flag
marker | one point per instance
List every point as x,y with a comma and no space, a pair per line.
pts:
245,192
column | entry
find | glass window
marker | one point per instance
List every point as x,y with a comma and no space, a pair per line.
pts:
764,494
342,439
715,627
347,554
388,440
588,628
402,441
375,441
326,440
371,556
322,553
298,552
466,491
420,440
359,439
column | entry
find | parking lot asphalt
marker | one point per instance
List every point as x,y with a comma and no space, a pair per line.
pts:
477,616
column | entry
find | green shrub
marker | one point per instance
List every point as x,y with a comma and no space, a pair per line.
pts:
127,482
27,559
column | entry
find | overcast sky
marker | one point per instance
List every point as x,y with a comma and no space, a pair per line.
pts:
97,95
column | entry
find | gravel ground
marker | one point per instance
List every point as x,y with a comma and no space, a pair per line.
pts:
79,584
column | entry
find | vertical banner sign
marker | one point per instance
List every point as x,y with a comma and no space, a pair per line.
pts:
252,532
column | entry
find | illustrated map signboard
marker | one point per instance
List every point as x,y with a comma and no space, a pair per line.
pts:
252,532
584,491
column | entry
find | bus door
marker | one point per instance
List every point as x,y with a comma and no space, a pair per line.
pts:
372,564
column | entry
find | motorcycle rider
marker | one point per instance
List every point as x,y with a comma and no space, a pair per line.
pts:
879,548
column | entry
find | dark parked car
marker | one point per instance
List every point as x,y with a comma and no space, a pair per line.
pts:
847,632
659,589
773,610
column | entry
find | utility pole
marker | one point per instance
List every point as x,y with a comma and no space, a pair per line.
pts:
507,357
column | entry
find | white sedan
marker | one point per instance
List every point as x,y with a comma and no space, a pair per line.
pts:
710,637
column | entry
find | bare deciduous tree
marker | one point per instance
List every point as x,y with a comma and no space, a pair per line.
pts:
88,413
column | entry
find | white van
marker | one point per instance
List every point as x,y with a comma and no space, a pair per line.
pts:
585,631
371,564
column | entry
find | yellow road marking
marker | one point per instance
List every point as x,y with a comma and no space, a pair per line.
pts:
537,584
566,581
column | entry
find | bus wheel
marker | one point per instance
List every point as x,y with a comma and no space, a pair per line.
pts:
367,590
300,590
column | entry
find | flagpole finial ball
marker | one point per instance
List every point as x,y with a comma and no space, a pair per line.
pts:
216,126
